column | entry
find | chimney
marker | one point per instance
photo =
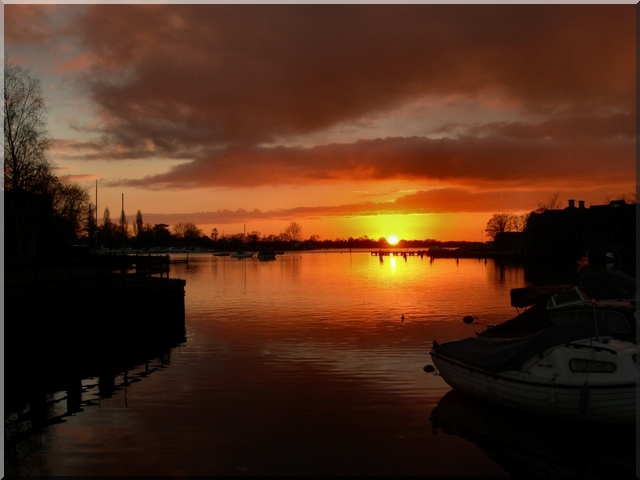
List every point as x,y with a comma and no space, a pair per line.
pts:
572,203
580,203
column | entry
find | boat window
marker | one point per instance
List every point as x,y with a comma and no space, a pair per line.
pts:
586,365
616,322
570,296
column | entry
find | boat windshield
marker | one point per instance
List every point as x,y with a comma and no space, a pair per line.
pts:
571,296
616,321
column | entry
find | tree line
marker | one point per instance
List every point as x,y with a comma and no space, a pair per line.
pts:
40,207
46,213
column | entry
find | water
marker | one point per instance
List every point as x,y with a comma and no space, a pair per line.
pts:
300,366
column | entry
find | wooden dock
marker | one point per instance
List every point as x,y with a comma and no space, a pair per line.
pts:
74,316
53,271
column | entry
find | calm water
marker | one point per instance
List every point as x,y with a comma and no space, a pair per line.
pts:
304,366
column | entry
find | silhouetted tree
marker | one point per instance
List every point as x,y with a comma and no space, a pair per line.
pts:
107,230
292,232
161,235
26,164
271,238
187,232
70,202
123,227
28,174
505,222
214,234
625,197
552,204
145,237
519,222
498,223
138,225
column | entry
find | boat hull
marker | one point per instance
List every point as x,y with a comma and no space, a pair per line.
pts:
241,255
613,403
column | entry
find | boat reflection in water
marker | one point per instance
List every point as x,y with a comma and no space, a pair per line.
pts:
532,446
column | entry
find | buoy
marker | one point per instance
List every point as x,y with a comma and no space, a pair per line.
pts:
468,319
402,317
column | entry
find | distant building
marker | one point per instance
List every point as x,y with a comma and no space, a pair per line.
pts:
570,233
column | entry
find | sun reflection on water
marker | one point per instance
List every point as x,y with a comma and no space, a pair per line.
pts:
310,350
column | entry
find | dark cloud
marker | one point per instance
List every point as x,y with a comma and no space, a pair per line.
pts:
214,75
470,160
438,200
224,86
29,24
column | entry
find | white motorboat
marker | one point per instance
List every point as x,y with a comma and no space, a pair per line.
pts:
567,355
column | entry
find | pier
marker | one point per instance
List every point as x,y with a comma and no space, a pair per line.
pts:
399,253
79,316
39,273
455,253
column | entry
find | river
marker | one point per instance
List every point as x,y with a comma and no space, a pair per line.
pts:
310,364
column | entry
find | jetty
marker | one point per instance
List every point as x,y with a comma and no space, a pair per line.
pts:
399,253
456,253
78,316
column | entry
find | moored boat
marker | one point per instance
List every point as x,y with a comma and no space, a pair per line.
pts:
266,255
567,355
241,255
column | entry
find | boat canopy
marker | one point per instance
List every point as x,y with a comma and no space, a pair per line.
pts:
499,354
608,285
527,296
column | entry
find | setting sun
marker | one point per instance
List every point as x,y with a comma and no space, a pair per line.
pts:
392,240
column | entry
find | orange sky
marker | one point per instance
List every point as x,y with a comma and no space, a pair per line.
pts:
414,120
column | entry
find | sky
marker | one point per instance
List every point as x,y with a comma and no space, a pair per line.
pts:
353,120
